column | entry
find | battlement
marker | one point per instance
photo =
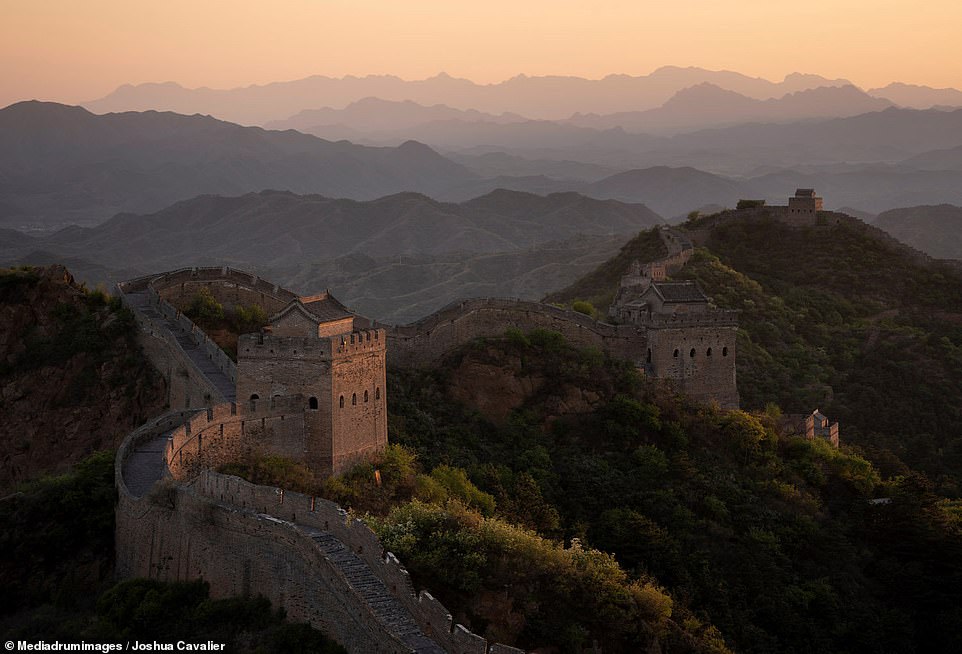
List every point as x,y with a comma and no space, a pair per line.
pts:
712,318
365,340
217,434
459,308
304,553
267,346
205,274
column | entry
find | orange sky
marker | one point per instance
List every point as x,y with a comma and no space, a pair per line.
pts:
73,51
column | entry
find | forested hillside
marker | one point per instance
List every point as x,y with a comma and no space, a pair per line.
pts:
746,539
836,317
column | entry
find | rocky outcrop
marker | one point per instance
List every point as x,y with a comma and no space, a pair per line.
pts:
72,379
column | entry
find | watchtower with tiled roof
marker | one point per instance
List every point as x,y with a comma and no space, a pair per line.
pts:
689,340
317,348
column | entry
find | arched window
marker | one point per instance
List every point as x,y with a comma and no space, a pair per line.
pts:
377,393
708,353
255,396
724,351
354,399
341,402
649,356
675,354
692,353
365,396
312,403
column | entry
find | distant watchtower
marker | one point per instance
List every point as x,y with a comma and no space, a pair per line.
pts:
803,207
316,348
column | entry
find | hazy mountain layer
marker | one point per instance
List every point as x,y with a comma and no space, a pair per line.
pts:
675,191
551,97
396,258
402,289
943,159
707,105
373,120
61,164
918,97
375,114
936,230
888,136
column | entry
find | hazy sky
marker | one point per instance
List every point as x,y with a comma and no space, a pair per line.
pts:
70,50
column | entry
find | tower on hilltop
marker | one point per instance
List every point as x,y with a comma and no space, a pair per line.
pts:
318,349
689,340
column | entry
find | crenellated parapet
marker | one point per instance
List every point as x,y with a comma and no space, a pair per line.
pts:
234,286
220,434
305,554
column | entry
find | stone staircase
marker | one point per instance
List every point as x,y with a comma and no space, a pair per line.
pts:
145,465
362,579
138,301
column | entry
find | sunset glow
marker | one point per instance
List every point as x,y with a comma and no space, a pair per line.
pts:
72,52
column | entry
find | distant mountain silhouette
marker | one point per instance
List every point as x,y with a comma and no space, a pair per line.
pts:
675,191
395,258
890,136
274,228
945,159
934,229
887,136
376,115
918,97
706,105
546,97
62,164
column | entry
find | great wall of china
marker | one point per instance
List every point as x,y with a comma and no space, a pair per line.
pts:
177,519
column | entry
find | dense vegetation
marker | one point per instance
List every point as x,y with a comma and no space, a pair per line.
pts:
224,325
56,569
90,324
863,330
773,541
73,378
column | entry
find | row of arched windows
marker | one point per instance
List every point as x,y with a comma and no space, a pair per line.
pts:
377,396
692,353
313,405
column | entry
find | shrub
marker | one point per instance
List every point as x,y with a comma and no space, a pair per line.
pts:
587,308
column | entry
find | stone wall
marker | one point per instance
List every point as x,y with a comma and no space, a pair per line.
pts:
228,286
699,359
178,534
221,433
187,386
358,398
425,342
212,351
344,380
245,539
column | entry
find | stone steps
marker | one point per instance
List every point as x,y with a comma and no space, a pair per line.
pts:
145,465
185,339
375,594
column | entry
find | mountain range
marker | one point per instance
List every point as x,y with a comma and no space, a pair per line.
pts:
396,258
61,165
705,105
546,97
934,229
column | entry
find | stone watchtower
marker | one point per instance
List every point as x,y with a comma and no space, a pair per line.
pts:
689,340
316,348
